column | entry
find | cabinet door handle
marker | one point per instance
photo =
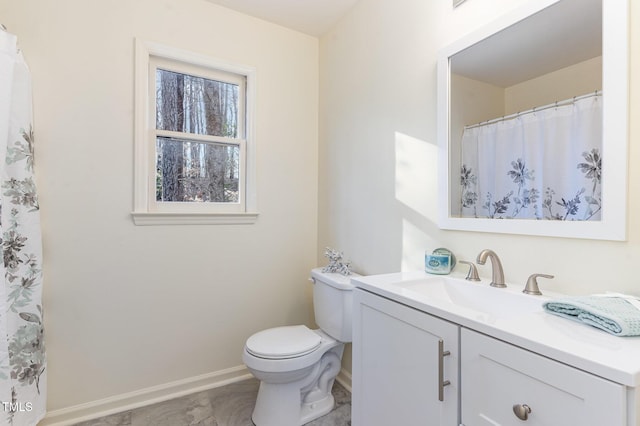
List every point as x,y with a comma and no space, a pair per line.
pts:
521,411
441,381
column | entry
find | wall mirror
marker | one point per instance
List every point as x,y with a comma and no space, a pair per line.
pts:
562,60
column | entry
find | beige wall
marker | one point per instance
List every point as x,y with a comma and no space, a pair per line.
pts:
579,79
475,101
378,167
129,307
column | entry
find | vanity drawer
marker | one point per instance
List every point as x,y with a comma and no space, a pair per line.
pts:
496,376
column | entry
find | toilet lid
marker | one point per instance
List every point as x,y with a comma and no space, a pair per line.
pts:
283,342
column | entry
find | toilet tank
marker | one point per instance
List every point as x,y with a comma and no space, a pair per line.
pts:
332,303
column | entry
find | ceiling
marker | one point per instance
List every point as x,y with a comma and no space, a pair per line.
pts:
535,46
313,17
563,34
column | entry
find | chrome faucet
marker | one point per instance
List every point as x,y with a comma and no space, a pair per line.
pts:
532,284
472,275
497,274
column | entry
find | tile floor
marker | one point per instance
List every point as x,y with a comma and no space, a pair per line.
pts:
229,405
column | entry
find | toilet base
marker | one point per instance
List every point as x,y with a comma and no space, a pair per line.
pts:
301,401
279,405
311,411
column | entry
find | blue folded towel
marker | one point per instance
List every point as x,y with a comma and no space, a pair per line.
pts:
614,313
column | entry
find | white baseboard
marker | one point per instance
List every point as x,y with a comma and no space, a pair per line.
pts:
131,400
344,378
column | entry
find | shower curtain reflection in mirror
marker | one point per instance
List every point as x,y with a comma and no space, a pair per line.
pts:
544,164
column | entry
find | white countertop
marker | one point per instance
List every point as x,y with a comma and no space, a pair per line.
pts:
581,346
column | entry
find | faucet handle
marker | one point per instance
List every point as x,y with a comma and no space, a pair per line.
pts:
472,275
532,284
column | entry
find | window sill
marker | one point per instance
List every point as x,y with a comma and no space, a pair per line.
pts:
147,218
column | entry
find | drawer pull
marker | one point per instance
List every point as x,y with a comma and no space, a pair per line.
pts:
521,411
441,381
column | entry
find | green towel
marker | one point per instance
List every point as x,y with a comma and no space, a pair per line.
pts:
615,313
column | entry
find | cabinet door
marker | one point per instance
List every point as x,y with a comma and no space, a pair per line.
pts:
496,376
396,355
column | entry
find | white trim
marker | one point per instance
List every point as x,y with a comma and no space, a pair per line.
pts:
144,397
344,378
163,218
144,211
189,137
152,395
203,69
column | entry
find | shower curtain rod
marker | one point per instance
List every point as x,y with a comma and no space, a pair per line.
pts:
535,109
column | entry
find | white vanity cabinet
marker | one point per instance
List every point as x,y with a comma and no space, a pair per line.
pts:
405,365
496,376
435,366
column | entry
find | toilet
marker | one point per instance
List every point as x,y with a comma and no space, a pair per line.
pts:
297,366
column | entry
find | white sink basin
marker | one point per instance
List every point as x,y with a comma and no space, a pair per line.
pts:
479,297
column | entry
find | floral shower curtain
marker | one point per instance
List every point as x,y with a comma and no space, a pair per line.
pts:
22,353
544,164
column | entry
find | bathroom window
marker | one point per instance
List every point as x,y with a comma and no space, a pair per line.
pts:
194,142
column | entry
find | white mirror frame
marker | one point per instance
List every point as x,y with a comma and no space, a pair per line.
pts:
615,84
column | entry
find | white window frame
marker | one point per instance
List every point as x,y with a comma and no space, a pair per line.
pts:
148,211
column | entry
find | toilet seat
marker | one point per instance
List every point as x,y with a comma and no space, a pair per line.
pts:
283,342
